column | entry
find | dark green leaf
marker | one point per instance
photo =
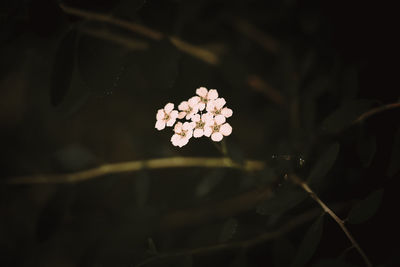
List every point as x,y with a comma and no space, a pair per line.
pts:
309,244
284,252
324,164
285,198
394,164
63,68
366,208
366,148
228,230
333,263
345,115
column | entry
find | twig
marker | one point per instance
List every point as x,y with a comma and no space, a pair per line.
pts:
132,166
181,45
289,226
374,111
306,188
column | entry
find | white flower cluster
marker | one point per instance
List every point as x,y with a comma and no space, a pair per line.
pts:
205,113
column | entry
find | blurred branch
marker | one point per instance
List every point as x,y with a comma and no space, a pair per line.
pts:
261,238
107,35
266,41
223,209
326,209
259,85
132,166
377,110
181,45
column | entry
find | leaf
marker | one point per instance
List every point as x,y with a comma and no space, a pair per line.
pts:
152,249
394,164
284,199
366,208
309,244
366,148
345,115
324,164
284,252
333,263
209,182
63,68
228,230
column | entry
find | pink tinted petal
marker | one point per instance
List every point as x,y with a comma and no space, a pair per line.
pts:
201,106
226,129
207,118
219,119
173,114
188,126
160,124
189,133
202,91
181,115
198,133
160,114
175,138
212,94
169,107
183,142
227,112
207,131
171,121
193,101
216,137
196,117
178,127
220,102
210,105
184,105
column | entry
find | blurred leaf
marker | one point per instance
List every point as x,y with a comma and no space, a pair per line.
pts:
128,8
240,259
152,249
394,164
324,164
345,115
366,208
63,68
284,252
235,153
209,182
333,263
142,188
74,157
366,148
309,244
228,230
285,198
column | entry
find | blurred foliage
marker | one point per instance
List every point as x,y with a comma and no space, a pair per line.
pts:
77,93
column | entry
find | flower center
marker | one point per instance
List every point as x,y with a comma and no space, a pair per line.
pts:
216,128
166,117
200,124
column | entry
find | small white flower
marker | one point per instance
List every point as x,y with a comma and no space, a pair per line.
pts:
216,107
206,96
201,122
166,116
218,129
183,132
189,108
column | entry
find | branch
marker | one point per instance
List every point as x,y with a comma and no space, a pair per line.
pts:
340,222
132,166
193,50
264,237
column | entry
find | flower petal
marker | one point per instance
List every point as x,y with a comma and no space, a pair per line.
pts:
160,114
212,94
174,114
178,127
160,124
171,121
219,119
181,115
207,131
201,106
188,126
220,102
198,133
196,117
184,105
210,105
226,129
227,112
216,137
207,118
169,107
193,101
183,141
202,91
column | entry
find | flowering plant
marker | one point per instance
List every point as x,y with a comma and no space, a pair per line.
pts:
205,113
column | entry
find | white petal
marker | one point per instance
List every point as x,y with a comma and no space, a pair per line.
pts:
196,117
188,126
189,133
220,102
178,127
198,133
174,114
193,101
210,105
160,114
207,131
212,94
169,107
226,129
160,124
171,121
181,115
184,105
216,137
175,138
227,112
202,91
201,106
183,142
219,119
207,118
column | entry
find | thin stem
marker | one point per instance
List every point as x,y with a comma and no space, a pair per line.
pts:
132,166
340,222
377,110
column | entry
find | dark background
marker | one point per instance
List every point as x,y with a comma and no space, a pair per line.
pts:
70,101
